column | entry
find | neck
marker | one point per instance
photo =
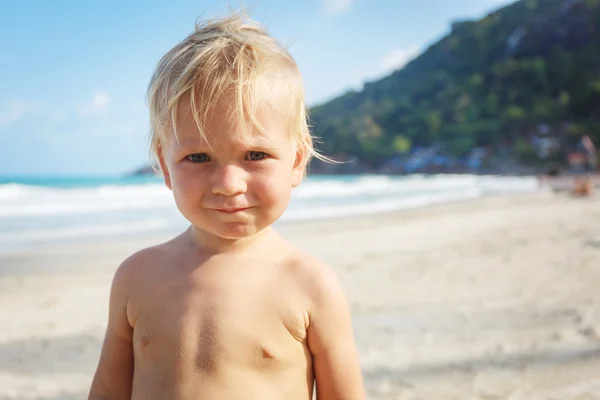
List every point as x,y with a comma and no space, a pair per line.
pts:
215,245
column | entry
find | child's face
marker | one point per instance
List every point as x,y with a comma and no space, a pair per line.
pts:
230,187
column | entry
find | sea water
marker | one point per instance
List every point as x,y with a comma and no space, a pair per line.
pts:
41,211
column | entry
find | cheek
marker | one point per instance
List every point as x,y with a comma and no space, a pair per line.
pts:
274,187
186,186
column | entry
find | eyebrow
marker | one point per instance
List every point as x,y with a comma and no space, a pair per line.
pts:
259,143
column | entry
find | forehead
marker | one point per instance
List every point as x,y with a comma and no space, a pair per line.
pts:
221,125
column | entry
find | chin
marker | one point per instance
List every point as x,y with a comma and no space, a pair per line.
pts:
230,227
236,231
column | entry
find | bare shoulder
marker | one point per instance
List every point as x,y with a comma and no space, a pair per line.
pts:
318,281
140,266
134,265
137,276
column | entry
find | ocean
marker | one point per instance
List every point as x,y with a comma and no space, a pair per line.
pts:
45,211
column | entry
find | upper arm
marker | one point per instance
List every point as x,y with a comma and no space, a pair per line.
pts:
114,374
331,340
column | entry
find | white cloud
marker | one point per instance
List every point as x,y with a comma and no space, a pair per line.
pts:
16,110
338,6
495,4
99,102
391,61
397,58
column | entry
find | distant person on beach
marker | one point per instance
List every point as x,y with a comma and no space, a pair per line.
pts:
583,164
228,309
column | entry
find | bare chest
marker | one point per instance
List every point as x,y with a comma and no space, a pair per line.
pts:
190,329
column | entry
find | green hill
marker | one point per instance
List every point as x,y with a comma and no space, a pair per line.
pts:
530,67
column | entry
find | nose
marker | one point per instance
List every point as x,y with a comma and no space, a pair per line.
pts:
229,180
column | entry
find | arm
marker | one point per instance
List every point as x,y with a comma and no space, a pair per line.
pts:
114,374
331,341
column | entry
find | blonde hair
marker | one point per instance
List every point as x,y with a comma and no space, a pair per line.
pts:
231,59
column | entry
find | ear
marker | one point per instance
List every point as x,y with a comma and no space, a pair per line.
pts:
299,168
163,167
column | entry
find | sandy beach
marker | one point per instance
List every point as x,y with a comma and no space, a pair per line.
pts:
495,298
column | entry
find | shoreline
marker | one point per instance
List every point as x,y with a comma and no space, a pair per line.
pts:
126,212
170,232
118,243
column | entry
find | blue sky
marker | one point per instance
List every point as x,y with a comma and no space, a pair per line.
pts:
73,74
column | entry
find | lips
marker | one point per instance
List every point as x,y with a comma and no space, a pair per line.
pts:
231,210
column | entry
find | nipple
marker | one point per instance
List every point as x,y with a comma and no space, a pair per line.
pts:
145,340
266,353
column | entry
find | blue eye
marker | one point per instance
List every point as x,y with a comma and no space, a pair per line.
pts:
198,158
256,155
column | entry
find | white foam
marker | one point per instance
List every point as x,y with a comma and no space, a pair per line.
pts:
23,201
31,214
378,206
508,184
382,185
15,191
